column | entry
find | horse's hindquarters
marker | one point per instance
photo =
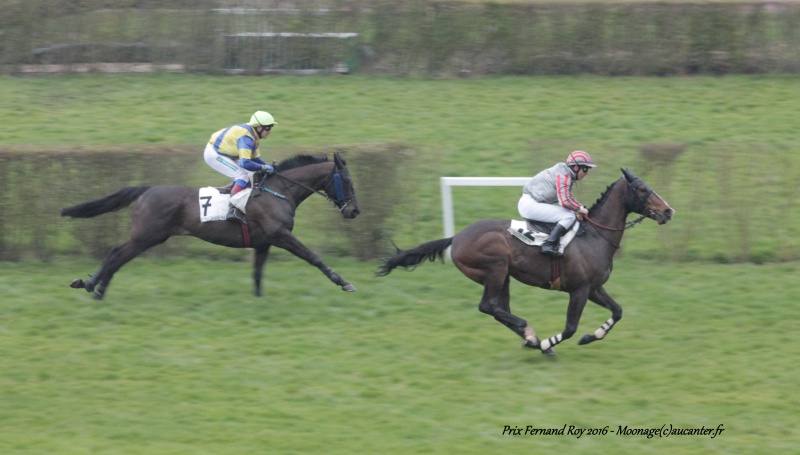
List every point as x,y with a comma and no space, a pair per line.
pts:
481,251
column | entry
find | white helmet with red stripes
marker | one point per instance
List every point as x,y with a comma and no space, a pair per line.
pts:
580,158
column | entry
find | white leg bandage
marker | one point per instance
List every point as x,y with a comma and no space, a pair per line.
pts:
550,342
603,330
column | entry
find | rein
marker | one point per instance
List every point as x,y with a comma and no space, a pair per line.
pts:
301,185
642,203
341,199
628,224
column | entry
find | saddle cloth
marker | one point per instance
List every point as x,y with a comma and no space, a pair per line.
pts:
214,205
522,231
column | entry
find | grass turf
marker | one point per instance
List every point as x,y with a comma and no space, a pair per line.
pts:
181,358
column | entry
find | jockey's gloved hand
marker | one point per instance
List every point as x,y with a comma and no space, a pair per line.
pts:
267,169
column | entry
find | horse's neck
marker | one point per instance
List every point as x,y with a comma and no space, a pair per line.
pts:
609,213
311,177
610,210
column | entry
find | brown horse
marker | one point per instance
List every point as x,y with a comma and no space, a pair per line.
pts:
486,253
164,211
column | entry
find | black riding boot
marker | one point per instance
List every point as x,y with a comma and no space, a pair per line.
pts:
551,245
235,214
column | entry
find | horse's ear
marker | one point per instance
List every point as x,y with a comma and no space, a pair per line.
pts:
337,157
628,175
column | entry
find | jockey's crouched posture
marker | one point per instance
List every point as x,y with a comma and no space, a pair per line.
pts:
540,194
233,152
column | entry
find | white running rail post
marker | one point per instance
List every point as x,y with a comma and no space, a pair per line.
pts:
447,194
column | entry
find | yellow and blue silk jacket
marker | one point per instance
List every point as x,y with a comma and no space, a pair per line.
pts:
240,143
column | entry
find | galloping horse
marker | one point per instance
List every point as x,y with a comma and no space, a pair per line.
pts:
486,253
164,211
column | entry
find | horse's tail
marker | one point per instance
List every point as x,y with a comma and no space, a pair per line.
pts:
110,203
410,259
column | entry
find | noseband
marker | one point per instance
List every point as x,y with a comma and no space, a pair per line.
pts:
341,201
639,204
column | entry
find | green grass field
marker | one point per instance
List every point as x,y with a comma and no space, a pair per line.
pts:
182,359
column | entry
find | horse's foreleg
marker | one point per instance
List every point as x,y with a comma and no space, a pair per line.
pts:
577,302
258,267
291,244
601,297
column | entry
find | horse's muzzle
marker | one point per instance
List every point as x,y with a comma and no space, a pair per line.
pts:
663,217
350,212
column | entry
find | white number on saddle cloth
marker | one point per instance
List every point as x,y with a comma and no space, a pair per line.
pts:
519,229
213,206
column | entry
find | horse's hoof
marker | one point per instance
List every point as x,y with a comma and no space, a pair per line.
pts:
530,344
549,352
77,283
349,288
586,339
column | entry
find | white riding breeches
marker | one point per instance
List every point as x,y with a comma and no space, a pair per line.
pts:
225,166
548,213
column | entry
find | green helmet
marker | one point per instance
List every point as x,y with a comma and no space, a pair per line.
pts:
261,118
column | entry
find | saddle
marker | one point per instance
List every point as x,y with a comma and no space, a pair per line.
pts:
536,232
225,189
547,228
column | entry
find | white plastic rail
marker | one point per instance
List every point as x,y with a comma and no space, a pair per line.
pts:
447,183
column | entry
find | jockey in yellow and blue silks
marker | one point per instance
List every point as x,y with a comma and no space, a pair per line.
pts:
233,151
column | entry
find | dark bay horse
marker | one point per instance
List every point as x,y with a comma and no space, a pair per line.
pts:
486,253
164,211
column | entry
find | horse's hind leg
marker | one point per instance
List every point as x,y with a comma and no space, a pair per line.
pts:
115,259
95,279
601,297
496,302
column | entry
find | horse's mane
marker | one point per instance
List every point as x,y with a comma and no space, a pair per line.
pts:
602,197
300,161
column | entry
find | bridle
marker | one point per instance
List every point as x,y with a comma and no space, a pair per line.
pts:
340,200
639,204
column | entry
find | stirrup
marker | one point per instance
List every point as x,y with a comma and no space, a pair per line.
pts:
235,214
551,249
